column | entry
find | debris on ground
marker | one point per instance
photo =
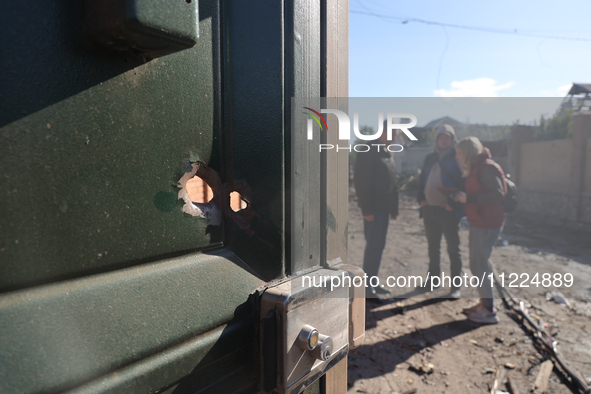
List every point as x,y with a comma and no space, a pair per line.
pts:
424,368
557,297
499,378
541,384
429,329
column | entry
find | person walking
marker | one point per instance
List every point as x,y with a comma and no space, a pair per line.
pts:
485,191
441,214
377,196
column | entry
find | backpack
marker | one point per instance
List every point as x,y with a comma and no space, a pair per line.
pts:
511,198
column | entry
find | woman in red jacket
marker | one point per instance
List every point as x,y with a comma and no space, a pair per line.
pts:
485,192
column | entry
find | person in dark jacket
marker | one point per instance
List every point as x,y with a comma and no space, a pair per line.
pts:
485,192
377,195
441,214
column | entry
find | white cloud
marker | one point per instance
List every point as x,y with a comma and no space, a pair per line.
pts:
479,87
560,91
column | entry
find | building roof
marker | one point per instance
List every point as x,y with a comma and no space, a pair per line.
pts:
580,88
445,120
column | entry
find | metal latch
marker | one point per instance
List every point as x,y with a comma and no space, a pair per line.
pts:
305,329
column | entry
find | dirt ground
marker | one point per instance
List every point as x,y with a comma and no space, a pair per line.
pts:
406,333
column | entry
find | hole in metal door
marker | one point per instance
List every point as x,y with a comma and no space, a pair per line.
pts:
198,190
236,202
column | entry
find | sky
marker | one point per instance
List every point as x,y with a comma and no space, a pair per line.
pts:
491,111
470,48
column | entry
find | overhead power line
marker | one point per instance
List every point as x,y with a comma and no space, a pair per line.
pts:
514,32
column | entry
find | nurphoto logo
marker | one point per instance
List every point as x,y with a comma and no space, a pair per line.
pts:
345,130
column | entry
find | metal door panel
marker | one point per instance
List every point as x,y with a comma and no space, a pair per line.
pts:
253,127
93,143
77,330
219,360
90,167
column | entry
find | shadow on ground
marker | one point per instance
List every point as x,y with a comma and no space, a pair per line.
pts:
390,352
375,311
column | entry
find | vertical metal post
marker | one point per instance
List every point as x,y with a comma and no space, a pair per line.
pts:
335,79
335,72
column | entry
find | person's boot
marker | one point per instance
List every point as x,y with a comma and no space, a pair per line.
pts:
472,309
379,290
371,294
456,293
484,316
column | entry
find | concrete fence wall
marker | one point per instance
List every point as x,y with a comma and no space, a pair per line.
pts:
546,166
554,177
586,193
411,159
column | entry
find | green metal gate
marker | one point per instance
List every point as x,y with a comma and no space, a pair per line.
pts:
105,284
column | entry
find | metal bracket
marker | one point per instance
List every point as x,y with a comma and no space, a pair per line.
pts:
150,28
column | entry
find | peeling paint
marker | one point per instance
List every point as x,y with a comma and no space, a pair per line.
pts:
220,203
210,210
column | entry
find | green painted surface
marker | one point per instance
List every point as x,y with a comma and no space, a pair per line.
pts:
174,17
192,366
57,336
87,182
149,28
302,46
314,388
92,145
254,132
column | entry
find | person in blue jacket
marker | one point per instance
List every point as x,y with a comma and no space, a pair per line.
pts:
441,214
